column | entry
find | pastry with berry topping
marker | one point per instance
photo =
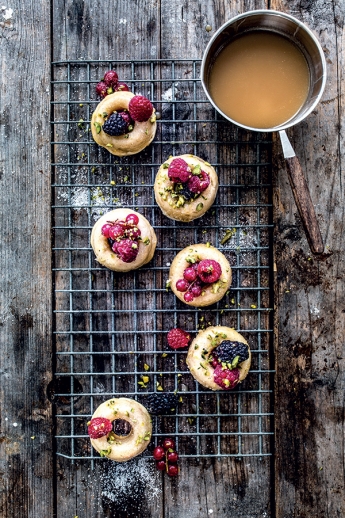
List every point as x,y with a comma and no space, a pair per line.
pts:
185,187
219,358
123,240
200,275
104,437
123,123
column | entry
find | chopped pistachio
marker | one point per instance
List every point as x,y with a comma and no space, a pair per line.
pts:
105,453
199,207
97,126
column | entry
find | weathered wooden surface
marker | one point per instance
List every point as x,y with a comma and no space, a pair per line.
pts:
26,443
310,295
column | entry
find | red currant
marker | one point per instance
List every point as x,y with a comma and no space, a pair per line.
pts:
122,87
160,465
196,290
168,444
188,297
182,285
172,456
116,231
190,274
172,470
111,78
158,453
105,229
101,89
132,219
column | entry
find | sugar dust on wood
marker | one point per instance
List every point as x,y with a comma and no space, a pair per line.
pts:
130,484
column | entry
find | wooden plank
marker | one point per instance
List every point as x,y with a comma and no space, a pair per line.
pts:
115,31
225,487
25,260
310,315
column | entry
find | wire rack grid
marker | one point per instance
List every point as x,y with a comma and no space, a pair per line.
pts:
110,328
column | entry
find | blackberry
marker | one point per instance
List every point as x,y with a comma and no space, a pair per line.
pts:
161,403
186,193
227,351
115,125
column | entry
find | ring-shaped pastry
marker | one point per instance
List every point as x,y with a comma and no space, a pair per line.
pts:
124,447
104,253
211,293
175,207
133,142
201,348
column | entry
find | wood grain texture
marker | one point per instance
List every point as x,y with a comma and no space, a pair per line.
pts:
310,296
25,261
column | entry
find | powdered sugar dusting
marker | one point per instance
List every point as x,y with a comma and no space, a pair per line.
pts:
135,481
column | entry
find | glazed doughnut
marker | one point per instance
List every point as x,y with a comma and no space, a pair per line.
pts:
200,349
175,206
124,447
211,292
102,248
133,142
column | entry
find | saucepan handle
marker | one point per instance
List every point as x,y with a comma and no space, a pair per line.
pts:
302,197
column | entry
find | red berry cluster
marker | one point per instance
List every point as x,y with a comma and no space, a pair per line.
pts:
197,276
178,338
99,427
166,457
123,237
188,182
110,84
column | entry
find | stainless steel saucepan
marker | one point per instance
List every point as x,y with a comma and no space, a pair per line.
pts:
301,36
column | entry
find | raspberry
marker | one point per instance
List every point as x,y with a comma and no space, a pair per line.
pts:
101,89
179,171
111,78
126,249
178,338
115,125
198,185
227,351
227,379
99,427
140,108
133,233
209,270
121,87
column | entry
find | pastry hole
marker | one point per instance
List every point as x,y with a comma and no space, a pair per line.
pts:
122,427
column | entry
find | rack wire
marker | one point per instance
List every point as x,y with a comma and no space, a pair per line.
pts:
110,328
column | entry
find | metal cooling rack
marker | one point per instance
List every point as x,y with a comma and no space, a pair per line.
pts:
109,327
